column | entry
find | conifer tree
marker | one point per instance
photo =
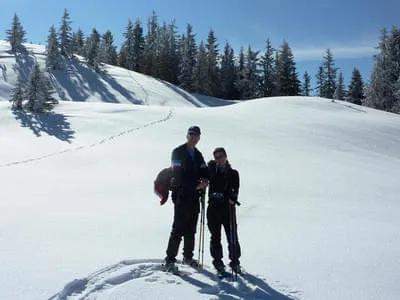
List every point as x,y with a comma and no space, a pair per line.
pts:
78,42
150,55
356,88
188,60
320,83
92,51
200,71
39,91
107,50
329,75
127,49
53,57
65,35
340,91
16,35
212,65
306,88
228,74
17,95
288,82
269,72
381,92
138,47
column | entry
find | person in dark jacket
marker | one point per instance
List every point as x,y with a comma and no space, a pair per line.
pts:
189,177
222,194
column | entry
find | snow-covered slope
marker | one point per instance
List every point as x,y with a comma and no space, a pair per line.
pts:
319,192
77,82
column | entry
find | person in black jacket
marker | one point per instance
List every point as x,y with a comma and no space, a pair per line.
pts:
222,194
189,177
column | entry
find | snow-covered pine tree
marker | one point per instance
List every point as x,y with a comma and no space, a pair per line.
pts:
16,35
212,85
138,47
320,81
381,91
269,72
107,50
228,74
53,57
150,55
241,83
329,71
65,35
39,91
78,43
92,50
200,71
127,49
17,95
356,88
288,82
188,59
173,53
306,87
340,91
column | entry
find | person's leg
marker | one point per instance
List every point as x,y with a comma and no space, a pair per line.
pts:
176,235
214,226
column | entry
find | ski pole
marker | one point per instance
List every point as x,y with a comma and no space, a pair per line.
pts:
201,235
203,225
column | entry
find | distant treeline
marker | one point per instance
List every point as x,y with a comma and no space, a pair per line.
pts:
201,67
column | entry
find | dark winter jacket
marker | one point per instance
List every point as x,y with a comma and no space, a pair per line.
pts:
187,171
224,184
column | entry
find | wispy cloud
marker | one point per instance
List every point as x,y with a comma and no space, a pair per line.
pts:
338,52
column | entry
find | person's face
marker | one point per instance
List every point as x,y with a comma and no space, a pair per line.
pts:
220,158
192,139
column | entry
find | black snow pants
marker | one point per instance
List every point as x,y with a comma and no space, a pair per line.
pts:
218,217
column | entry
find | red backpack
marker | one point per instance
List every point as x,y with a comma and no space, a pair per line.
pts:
162,184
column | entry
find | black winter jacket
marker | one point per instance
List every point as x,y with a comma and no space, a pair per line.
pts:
187,172
223,185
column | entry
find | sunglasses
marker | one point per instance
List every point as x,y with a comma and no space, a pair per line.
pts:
193,134
219,156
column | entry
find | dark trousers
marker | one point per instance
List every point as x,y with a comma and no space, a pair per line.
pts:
185,223
218,217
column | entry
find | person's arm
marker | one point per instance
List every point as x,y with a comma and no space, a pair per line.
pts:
176,164
204,177
235,187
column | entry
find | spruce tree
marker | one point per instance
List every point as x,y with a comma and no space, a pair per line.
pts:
329,74
228,73
92,51
53,57
188,60
39,91
381,92
150,55
340,92
127,49
356,88
107,50
320,81
17,95
212,65
78,42
65,35
269,72
200,71
306,87
138,47
16,35
288,82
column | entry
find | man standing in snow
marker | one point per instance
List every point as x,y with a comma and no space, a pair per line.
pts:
222,194
189,177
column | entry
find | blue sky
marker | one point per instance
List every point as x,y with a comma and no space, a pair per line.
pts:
349,27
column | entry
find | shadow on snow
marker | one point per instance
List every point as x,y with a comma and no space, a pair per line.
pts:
51,123
246,287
